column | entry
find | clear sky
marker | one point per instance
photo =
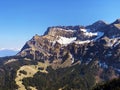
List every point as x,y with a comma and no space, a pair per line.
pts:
22,19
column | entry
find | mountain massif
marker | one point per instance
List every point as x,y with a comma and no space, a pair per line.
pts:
65,58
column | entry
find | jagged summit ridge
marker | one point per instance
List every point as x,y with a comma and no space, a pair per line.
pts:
99,23
63,30
57,39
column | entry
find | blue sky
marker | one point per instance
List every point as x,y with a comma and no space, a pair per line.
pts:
22,19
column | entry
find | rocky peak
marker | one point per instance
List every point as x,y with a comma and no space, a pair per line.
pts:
116,24
99,22
36,37
56,31
97,25
117,21
112,29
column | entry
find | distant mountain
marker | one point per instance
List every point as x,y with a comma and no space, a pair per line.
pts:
8,52
65,58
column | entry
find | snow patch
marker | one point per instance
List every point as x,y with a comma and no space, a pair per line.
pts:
69,30
87,32
83,30
66,41
82,42
65,30
90,34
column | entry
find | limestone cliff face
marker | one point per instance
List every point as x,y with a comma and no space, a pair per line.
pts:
67,45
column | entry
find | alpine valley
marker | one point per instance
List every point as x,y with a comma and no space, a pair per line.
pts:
66,58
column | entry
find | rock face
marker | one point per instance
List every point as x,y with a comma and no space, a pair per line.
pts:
73,44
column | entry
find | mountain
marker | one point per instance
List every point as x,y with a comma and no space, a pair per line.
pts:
8,52
97,25
65,58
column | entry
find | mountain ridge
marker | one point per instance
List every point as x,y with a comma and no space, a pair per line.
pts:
67,57
64,36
